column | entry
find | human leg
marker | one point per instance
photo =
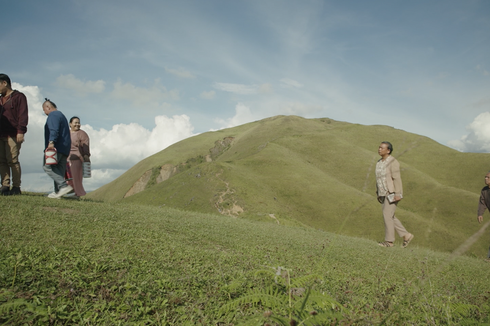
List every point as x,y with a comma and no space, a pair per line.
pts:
57,172
13,161
399,228
77,175
4,167
388,216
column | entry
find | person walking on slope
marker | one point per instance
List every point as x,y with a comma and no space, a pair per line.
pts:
13,125
57,136
389,191
484,203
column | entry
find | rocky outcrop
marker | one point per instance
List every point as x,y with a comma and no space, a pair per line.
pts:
220,146
169,170
166,172
139,185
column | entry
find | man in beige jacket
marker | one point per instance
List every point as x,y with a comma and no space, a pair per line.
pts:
390,192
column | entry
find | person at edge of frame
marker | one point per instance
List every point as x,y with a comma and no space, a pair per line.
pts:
14,118
484,203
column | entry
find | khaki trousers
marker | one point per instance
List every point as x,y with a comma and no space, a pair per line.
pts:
9,160
392,224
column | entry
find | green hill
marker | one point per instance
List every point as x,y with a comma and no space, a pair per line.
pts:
313,172
68,262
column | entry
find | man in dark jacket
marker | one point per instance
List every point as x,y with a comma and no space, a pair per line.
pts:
57,136
13,126
484,204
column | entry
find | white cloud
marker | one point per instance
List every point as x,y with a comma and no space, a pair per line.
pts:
32,149
80,87
101,177
242,115
127,144
478,139
286,82
237,88
141,97
181,73
208,95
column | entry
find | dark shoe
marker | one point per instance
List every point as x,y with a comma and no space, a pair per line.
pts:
15,191
5,191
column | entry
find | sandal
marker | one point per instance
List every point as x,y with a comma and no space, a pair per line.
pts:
407,241
385,244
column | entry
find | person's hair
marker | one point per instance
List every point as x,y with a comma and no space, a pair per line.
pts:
50,102
4,77
73,118
390,147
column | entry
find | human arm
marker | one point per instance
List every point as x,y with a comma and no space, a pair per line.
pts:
53,129
482,204
22,115
84,146
397,180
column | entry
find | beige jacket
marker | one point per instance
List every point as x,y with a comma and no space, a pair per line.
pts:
393,177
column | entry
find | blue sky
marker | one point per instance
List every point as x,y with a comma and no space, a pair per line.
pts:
142,75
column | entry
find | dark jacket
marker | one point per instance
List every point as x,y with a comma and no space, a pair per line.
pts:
57,130
484,202
14,117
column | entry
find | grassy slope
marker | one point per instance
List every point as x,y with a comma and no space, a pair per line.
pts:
78,262
320,173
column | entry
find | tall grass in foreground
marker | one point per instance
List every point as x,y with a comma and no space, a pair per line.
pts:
79,262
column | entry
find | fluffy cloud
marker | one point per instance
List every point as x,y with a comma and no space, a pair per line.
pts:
113,151
127,144
242,115
80,87
208,95
181,73
478,138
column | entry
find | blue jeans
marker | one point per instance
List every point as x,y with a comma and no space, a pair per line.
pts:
57,171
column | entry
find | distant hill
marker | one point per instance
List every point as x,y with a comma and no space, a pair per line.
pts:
313,172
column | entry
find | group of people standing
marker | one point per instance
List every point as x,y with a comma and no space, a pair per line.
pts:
70,144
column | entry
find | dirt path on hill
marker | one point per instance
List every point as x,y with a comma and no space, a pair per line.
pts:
227,196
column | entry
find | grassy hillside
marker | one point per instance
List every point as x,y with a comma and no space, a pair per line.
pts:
317,173
65,262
